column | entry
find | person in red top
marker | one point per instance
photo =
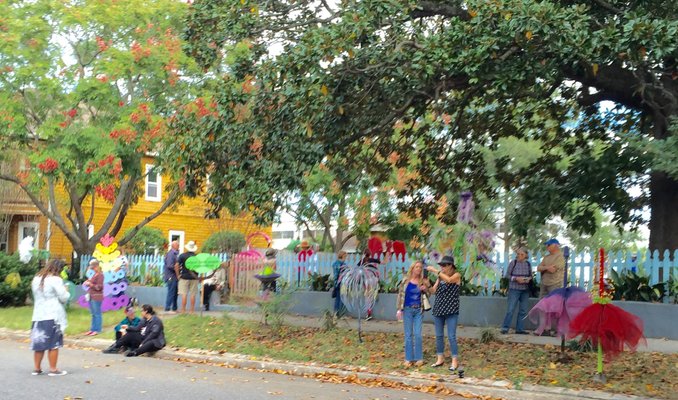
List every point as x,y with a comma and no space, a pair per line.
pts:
303,257
95,286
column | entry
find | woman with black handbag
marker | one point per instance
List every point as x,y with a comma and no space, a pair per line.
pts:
411,298
519,274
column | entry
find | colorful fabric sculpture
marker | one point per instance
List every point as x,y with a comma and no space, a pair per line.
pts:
561,305
608,327
113,265
464,241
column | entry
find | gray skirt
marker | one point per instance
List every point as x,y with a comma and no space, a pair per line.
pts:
46,335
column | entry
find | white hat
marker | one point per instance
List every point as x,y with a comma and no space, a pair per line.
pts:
191,246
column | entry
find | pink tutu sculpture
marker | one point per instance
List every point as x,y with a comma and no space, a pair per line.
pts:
562,305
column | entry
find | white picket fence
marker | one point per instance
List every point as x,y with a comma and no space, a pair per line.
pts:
582,267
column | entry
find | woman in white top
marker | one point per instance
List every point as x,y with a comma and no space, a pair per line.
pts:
49,316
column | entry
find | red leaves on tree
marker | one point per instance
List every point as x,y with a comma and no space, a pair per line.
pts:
101,44
107,192
48,166
125,135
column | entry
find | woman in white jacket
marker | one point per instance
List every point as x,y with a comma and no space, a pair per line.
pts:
49,316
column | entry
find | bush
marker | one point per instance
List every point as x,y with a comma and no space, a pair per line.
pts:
15,279
147,240
632,287
319,282
224,242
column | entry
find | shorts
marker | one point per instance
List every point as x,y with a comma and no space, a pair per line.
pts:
46,335
188,287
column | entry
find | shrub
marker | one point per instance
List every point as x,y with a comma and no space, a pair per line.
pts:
147,240
15,279
320,282
632,287
224,242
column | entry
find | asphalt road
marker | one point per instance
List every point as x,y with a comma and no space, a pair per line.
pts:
93,375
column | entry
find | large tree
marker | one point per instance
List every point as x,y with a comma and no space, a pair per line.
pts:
594,82
85,92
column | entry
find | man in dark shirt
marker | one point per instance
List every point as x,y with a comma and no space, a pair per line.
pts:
170,277
188,280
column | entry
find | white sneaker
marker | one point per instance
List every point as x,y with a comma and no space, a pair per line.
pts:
57,373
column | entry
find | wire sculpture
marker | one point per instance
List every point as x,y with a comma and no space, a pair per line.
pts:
359,289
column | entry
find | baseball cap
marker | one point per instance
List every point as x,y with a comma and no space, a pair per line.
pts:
551,241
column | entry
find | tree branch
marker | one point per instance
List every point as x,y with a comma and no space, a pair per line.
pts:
431,8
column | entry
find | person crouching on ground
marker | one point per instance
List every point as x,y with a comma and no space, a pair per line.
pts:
411,312
130,320
148,336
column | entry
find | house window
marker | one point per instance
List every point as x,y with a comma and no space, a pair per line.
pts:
283,235
153,183
3,241
179,237
32,229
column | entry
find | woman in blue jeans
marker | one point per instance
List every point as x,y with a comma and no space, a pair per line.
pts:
446,309
519,274
410,312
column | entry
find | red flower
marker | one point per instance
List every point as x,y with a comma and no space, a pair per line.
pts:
48,166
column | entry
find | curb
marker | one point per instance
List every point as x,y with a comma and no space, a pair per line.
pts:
466,387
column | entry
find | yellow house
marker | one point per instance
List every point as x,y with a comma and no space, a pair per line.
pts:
184,222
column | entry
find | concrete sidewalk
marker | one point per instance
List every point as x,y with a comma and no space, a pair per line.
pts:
471,332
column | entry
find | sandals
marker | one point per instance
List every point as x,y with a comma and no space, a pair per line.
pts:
36,372
57,373
436,365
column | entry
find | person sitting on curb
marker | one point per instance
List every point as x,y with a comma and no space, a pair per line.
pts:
148,336
130,319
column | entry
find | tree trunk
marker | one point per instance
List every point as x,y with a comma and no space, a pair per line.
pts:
664,218
663,195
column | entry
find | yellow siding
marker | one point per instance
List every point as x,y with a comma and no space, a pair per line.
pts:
187,217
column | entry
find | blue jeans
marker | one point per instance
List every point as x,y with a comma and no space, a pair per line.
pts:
97,319
451,321
516,297
171,301
338,305
412,322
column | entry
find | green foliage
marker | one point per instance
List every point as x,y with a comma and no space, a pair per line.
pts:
293,245
329,321
496,96
224,242
15,279
632,287
673,286
390,283
86,89
489,335
581,347
146,240
274,309
468,288
320,282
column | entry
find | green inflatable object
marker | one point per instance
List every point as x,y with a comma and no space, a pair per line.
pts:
203,263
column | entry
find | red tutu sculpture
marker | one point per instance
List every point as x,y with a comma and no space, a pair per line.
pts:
607,326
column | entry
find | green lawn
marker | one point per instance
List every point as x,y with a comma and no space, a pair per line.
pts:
78,319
